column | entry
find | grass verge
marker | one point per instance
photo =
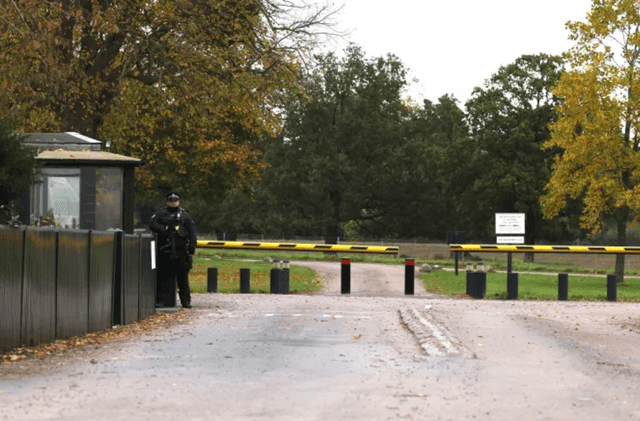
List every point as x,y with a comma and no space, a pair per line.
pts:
301,279
533,286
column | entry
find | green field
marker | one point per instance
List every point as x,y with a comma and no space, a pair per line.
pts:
301,279
533,286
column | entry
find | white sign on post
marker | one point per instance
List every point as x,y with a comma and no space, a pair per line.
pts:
153,254
509,223
513,239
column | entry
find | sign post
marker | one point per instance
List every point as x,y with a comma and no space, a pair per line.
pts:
508,226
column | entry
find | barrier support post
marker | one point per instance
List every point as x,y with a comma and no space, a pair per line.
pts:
512,285
456,261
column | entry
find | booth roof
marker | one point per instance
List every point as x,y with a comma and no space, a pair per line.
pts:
61,156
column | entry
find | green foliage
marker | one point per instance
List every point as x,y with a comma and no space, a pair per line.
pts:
189,87
346,153
597,127
17,164
509,119
443,173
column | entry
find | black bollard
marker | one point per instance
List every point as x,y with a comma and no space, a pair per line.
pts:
470,281
345,276
612,288
245,281
480,287
212,279
284,278
409,276
274,285
512,285
563,286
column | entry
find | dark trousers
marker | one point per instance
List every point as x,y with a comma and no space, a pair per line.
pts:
169,272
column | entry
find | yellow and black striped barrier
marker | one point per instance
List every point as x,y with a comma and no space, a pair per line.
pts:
297,247
543,249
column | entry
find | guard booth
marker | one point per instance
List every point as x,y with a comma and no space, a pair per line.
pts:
79,185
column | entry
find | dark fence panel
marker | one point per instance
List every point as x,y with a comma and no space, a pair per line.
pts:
57,283
101,280
11,255
39,293
131,277
147,304
72,302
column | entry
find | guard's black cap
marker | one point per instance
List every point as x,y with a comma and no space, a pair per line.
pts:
173,196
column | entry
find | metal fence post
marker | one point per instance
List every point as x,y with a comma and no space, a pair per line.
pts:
118,307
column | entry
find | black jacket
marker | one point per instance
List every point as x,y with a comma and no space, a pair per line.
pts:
176,231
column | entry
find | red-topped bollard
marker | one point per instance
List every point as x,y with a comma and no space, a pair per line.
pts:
345,276
409,276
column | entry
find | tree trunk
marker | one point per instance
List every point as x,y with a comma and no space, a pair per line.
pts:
622,241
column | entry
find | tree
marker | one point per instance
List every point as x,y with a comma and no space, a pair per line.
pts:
17,164
188,86
343,155
598,119
446,156
509,119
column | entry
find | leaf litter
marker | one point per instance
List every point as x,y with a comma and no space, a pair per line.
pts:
152,323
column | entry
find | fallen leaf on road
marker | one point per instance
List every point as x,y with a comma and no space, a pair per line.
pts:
356,337
149,324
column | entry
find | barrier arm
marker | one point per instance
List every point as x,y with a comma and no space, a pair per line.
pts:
297,247
543,249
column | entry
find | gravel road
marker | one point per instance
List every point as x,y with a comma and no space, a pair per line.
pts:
375,354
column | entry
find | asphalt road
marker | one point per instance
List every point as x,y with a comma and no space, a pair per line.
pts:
375,354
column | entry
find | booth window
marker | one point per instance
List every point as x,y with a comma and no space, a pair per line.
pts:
55,198
109,188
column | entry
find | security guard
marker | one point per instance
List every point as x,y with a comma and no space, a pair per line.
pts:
176,245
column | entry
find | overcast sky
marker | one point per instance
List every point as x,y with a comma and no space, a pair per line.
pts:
452,46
